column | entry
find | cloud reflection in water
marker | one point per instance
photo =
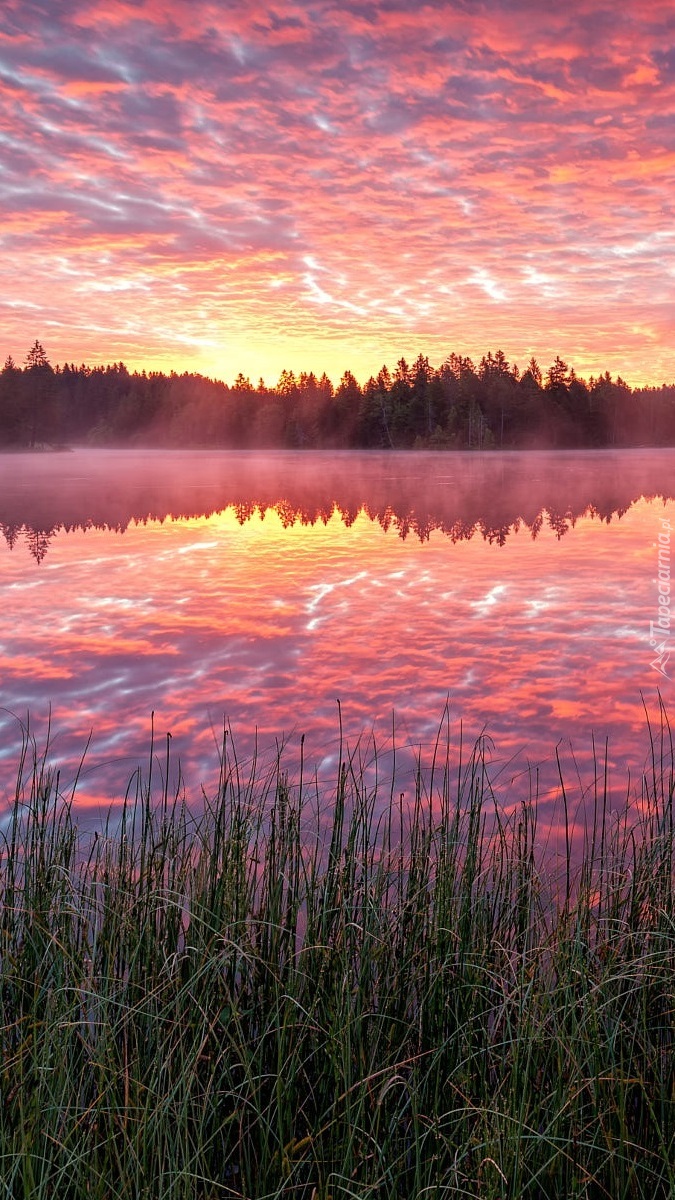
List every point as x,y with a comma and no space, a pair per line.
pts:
267,621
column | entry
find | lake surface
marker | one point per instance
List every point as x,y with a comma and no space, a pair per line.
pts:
518,589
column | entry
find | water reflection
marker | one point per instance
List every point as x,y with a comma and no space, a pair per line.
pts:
461,495
266,606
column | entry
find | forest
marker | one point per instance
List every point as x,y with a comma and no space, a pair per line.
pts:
457,405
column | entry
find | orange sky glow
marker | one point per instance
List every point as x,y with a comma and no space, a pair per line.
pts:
315,185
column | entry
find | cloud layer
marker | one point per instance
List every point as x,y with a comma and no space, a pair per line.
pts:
321,185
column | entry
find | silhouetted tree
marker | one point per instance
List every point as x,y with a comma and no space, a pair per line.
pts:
345,411
456,405
38,411
557,375
10,402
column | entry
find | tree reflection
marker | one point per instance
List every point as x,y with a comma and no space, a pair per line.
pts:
410,496
37,540
402,524
10,532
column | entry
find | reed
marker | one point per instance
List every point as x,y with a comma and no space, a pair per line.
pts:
285,993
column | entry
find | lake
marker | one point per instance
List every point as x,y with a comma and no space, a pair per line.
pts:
515,591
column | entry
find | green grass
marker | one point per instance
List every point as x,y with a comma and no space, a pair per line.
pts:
285,995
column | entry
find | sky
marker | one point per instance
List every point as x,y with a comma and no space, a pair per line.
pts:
330,185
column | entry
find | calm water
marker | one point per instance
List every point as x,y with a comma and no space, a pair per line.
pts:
203,587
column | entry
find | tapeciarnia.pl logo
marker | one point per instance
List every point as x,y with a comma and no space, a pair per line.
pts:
659,631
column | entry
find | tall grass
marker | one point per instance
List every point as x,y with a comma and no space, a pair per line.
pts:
287,996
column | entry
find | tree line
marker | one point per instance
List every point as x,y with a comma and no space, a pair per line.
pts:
458,405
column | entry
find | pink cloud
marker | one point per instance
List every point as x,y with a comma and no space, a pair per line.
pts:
331,186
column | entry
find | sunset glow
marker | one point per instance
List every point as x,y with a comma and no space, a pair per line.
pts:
322,186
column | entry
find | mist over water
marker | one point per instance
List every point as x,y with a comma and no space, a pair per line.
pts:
461,494
518,588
